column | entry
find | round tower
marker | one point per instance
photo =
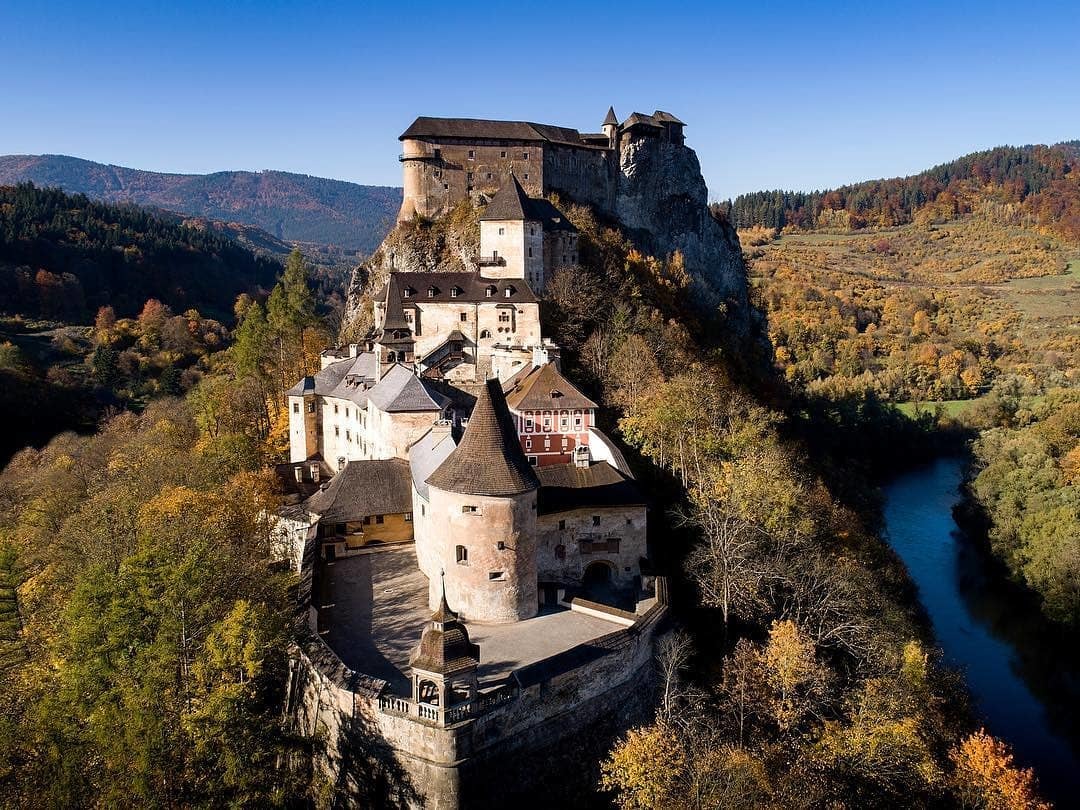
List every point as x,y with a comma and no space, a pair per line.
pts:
611,126
483,520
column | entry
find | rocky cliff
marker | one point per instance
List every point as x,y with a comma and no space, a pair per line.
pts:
662,205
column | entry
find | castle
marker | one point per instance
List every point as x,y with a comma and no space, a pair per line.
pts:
447,160
475,585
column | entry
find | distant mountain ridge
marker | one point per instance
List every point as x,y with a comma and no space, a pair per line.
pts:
1040,183
291,207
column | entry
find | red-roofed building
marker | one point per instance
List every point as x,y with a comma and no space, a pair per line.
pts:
553,418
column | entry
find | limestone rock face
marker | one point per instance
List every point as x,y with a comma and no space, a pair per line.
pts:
662,203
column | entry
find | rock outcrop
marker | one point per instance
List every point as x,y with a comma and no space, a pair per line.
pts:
662,204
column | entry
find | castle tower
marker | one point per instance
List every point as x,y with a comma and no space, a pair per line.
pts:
512,237
483,519
611,127
303,421
396,343
444,667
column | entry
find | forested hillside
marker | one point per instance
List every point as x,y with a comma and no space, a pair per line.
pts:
63,256
293,207
1038,185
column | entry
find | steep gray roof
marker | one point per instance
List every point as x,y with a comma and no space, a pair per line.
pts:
610,118
402,391
510,202
324,381
489,460
364,488
472,287
394,317
425,456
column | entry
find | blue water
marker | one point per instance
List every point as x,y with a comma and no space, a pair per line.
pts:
1022,674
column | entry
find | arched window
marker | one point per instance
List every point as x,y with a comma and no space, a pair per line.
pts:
462,555
428,692
560,552
485,333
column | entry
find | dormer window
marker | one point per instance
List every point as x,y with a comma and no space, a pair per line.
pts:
431,292
509,291
407,292
491,290
455,291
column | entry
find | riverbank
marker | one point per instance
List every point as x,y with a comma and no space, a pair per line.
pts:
1023,677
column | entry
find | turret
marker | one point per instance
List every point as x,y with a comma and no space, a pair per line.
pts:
483,498
395,342
512,237
610,126
444,667
303,420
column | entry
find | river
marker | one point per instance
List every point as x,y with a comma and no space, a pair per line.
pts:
1022,674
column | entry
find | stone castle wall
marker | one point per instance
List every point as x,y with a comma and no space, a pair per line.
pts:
564,553
571,706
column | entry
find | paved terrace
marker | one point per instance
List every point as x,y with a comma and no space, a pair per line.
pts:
379,608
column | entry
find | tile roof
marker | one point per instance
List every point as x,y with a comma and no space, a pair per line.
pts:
489,460
544,388
400,390
472,288
364,488
567,486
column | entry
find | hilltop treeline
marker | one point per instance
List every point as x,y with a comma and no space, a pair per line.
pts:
63,256
1044,179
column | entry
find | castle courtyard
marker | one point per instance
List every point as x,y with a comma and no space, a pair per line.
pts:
374,608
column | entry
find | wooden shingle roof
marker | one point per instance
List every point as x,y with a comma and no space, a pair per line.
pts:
489,460
544,388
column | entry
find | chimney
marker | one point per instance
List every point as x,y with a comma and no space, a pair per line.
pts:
540,356
298,471
581,455
354,349
315,471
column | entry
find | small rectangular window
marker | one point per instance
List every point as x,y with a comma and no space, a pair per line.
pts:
408,517
468,176
502,154
335,407
464,316
468,509
526,175
446,186
489,175
525,156
532,460
496,575
595,520
348,436
378,518
337,430
502,231
562,525
530,253
461,554
472,154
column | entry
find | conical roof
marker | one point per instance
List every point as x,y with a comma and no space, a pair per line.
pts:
445,646
395,314
489,460
510,202
610,117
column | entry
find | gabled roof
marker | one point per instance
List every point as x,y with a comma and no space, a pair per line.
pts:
324,381
472,285
428,127
510,203
658,119
489,460
402,391
364,488
544,388
566,486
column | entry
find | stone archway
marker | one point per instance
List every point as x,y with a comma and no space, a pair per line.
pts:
597,573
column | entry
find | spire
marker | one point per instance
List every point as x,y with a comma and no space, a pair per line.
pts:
444,614
509,203
489,460
610,118
395,315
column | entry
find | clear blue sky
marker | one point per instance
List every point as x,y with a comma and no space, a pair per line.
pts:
795,95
